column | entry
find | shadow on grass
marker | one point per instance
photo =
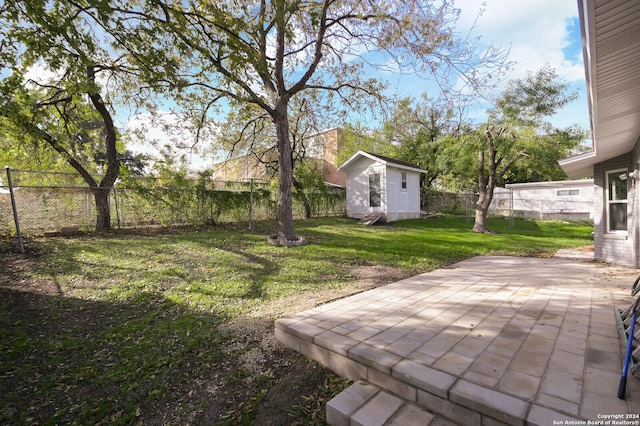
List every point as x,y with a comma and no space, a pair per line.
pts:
212,264
148,359
68,360
141,338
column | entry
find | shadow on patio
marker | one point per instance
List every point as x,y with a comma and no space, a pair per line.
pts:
490,340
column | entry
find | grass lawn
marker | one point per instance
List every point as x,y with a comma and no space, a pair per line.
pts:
177,328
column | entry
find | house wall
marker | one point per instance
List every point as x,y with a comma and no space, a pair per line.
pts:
402,203
634,218
331,146
321,151
358,187
238,170
615,247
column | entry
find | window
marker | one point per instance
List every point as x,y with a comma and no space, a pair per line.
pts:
616,201
374,190
404,180
567,192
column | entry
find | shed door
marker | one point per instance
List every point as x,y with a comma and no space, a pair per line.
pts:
374,192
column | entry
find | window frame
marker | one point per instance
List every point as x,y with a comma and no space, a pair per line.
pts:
568,192
403,181
609,202
379,189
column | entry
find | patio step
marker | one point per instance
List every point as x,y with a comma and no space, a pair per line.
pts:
476,343
395,387
404,380
364,404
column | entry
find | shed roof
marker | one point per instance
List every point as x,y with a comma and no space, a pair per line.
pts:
387,161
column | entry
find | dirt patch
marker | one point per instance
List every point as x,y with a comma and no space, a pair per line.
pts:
375,276
16,273
365,278
300,388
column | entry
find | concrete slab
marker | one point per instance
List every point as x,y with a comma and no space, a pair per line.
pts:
490,340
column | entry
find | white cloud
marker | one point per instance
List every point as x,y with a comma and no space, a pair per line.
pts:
169,133
537,32
41,73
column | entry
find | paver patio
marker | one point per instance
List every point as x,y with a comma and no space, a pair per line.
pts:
490,340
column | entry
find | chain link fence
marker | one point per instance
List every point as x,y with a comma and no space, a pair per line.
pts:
510,204
53,202
540,208
449,202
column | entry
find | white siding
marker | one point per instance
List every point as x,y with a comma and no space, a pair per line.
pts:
547,199
396,203
403,200
358,187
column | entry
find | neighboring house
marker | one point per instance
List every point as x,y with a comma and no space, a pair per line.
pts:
611,45
569,199
377,184
320,152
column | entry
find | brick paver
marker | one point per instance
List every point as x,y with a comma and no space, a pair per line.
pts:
513,340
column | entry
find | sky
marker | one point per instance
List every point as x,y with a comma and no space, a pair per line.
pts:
536,32
539,32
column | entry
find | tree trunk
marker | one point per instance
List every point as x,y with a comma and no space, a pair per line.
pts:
285,170
305,200
101,193
103,212
482,210
486,185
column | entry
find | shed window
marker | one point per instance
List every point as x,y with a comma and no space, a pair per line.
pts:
616,201
567,192
404,180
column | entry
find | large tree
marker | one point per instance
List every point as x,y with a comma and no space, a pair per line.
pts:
266,52
415,129
50,90
249,132
515,134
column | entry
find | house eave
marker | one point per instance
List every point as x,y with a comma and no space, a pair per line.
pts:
580,166
550,184
611,49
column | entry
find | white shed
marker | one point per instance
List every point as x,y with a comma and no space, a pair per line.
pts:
382,185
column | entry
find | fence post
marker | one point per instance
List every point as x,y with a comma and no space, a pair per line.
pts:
15,210
511,209
250,204
115,200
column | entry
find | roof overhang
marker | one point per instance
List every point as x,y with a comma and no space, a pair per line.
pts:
611,49
347,164
550,184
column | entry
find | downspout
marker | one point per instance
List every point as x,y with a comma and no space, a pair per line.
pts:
635,222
